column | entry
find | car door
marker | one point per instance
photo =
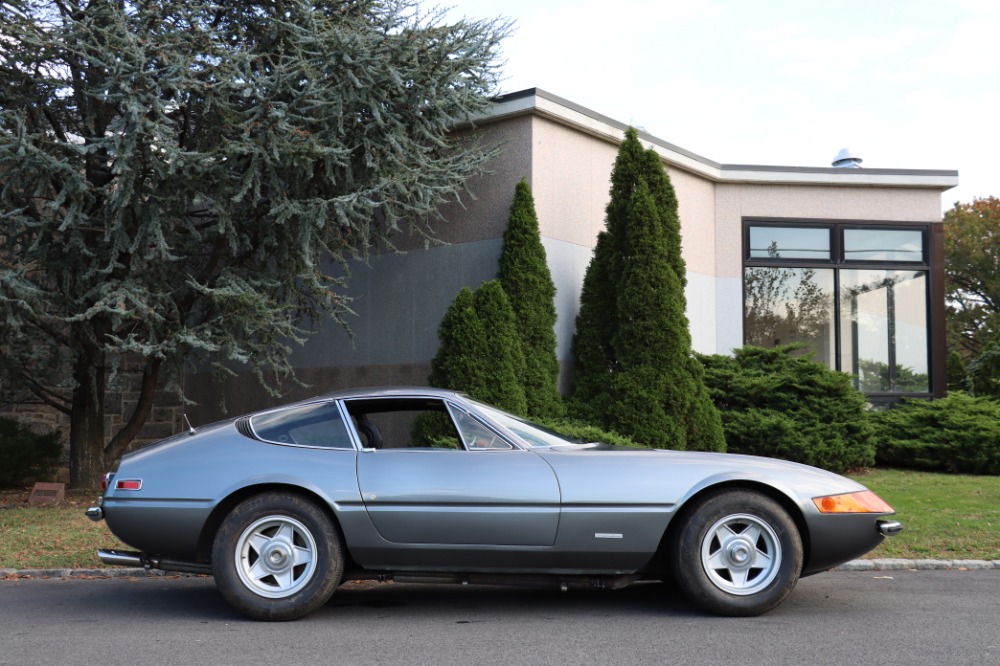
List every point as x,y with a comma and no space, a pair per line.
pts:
483,491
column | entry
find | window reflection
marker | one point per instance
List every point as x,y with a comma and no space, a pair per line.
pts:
789,243
883,245
884,329
872,323
790,305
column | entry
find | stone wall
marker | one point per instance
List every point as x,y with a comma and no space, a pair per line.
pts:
166,418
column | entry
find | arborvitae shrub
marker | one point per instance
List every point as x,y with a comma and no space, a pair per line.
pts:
505,358
959,433
479,351
776,404
633,365
524,275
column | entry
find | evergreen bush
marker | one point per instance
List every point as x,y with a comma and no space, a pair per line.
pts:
774,403
26,456
504,358
524,274
480,352
959,434
632,360
587,433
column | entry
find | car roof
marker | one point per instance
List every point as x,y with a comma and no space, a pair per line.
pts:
390,392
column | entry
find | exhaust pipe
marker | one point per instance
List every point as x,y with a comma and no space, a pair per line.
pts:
129,558
120,558
890,527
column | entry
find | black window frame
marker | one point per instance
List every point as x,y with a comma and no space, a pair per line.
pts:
932,263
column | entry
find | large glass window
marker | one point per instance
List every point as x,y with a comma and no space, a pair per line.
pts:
883,317
789,305
862,309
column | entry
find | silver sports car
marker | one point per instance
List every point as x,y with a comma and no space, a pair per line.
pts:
284,505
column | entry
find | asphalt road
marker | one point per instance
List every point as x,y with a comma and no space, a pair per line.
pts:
842,617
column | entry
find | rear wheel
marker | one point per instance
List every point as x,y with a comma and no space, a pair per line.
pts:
737,552
277,556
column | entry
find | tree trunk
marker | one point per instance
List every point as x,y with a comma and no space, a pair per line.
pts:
140,414
86,438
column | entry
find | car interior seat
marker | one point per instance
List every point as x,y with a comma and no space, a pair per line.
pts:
371,438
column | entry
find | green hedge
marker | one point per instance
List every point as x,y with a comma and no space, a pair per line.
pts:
958,434
26,456
584,432
778,404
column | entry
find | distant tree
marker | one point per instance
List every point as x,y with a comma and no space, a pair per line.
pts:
972,290
525,277
635,368
479,352
175,179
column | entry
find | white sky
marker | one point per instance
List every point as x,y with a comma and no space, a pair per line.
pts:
905,84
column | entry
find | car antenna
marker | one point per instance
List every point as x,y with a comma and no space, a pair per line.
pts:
190,427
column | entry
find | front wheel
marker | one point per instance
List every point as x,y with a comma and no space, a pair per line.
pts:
737,553
277,556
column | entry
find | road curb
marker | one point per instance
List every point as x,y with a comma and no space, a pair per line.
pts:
884,564
892,564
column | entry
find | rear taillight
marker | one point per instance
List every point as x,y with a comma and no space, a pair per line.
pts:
128,484
106,480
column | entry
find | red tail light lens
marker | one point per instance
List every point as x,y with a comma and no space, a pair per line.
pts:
106,480
128,484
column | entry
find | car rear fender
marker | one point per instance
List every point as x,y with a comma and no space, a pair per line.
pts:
223,508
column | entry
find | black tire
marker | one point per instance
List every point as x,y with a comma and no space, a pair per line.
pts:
277,556
736,553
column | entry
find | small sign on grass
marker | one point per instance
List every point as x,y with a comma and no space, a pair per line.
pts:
47,493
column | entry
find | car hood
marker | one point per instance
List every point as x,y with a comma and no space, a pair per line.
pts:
674,475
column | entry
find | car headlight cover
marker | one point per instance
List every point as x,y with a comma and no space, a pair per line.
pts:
863,501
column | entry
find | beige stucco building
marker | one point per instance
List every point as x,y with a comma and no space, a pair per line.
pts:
846,260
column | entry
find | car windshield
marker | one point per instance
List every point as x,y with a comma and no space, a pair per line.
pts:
532,433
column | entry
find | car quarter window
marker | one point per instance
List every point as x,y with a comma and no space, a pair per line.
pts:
317,424
476,435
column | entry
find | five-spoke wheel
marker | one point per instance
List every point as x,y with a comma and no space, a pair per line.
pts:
736,552
277,556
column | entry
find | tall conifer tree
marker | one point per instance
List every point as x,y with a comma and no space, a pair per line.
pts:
632,351
525,277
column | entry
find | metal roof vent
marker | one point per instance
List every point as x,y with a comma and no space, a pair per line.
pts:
845,159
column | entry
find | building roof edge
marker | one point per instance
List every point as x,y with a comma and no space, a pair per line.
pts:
536,101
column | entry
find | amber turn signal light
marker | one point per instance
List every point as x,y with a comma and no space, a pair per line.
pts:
864,501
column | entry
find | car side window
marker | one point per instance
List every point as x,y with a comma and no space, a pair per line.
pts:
403,423
418,424
317,424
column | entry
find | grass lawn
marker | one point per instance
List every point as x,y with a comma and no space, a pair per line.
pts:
51,537
945,516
